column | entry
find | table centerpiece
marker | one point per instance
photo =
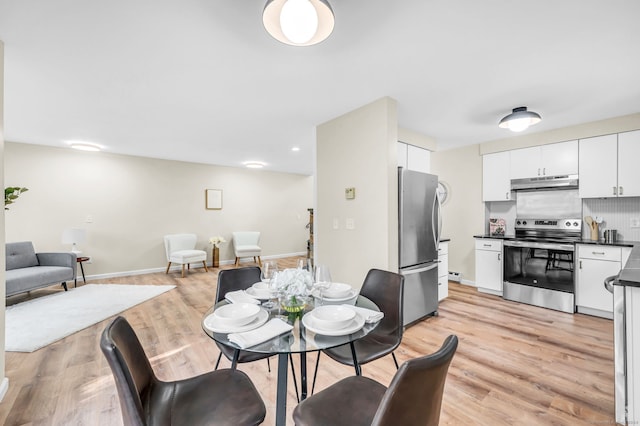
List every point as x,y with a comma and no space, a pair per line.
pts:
294,289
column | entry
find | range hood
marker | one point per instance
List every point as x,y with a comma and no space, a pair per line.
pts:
545,182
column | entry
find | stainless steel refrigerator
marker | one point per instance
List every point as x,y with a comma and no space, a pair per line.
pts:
419,231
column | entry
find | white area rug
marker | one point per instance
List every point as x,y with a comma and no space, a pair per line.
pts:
36,323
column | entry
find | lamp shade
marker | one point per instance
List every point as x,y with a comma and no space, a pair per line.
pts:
298,22
74,236
519,119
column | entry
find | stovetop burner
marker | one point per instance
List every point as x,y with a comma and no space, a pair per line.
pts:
549,230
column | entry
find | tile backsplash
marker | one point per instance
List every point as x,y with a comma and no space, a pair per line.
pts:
616,213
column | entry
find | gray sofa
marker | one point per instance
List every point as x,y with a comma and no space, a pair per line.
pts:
27,270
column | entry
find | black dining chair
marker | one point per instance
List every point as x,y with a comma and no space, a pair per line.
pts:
223,397
414,396
386,290
242,279
232,280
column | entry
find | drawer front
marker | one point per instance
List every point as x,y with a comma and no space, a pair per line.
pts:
443,265
613,254
443,248
491,245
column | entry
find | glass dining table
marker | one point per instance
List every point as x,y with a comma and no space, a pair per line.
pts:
300,340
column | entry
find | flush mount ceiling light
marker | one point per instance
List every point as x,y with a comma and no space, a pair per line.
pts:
85,146
519,119
298,22
254,164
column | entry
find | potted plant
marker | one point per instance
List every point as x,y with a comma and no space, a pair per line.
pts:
11,194
215,252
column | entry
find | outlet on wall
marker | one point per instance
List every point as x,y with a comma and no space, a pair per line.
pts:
634,222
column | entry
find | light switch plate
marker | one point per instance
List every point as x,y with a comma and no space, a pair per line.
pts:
350,223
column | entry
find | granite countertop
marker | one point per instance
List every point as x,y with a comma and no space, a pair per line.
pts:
582,241
630,274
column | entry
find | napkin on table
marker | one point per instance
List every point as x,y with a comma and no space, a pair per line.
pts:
369,314
240,296
271,329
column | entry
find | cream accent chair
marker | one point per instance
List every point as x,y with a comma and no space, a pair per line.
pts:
245,244
180,248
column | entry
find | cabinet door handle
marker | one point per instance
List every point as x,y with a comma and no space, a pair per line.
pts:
601,253
544,171
486,245
538,171
580,264
506,196
615,190
620,191
499,256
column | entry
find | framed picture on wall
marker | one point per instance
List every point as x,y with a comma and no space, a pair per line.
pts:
213,199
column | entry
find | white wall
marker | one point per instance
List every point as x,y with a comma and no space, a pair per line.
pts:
134,201
463,212
3,290
358,149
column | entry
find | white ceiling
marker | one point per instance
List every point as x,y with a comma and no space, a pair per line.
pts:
201,80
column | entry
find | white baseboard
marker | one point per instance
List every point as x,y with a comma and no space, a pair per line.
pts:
4,387
468,282
177,268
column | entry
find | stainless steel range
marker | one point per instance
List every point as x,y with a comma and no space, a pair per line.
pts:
539,263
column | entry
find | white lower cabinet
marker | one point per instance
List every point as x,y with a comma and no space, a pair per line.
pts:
443,270
595,263
489,265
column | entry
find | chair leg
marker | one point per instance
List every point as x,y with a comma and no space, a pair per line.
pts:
183,270
315,373
259,261
205,266
237,262
218,361
295,381
395,360
168,266
268,365
65,286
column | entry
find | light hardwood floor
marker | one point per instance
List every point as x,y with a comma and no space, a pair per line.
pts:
515,365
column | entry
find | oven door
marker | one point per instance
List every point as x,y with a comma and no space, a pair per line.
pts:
540,274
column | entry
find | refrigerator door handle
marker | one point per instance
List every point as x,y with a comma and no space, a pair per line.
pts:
439,221
418,270
436,233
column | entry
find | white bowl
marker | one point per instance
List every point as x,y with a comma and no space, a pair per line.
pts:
332,317
337,291
236,314
263,285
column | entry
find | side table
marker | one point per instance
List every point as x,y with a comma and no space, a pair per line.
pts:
80,260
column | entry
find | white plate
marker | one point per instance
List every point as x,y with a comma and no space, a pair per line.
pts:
353,293
258,294
212,323
356,324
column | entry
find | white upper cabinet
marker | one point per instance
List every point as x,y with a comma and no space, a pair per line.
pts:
496,182
598,166
609,166
418,159
628,167
414,158
546,160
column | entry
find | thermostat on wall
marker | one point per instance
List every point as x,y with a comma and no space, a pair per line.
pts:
349,193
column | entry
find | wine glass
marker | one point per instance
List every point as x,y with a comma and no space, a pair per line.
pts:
268,273
305,264
322,280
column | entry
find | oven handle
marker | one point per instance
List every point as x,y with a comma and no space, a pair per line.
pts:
533,244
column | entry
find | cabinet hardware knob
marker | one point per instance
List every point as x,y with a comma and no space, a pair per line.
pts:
615,190
620,191
544,171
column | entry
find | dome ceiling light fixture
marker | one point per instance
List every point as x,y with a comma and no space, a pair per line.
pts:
298,22
519,120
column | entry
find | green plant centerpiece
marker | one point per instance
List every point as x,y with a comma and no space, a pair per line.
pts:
294,288
11,194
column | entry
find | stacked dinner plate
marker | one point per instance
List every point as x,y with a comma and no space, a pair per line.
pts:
336,294
333,320
235,318
260,290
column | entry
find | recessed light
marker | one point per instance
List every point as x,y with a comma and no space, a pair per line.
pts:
85,146
295,149
254,164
